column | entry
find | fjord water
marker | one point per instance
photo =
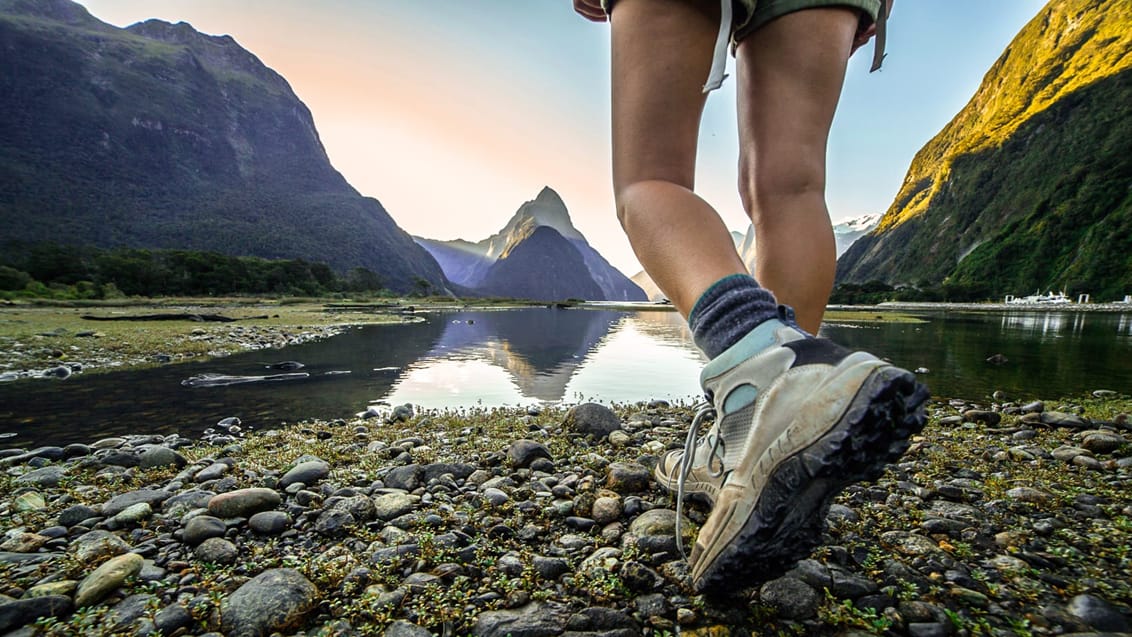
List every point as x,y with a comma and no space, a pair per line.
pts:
550,356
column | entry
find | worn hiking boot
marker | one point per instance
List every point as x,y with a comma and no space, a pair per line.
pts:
798,419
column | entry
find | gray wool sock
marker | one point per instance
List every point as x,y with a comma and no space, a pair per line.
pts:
727,311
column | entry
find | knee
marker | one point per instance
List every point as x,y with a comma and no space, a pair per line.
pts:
634,197
769,185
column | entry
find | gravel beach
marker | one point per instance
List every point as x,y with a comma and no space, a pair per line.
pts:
1003,518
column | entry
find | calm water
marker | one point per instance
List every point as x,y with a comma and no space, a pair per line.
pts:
540,356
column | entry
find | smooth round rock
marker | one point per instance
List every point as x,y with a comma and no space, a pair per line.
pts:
201,528
107,578
276,600
243,503
270,522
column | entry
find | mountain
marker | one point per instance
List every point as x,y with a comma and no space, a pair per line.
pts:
469,264
158,136
541,266
1027,187
847,232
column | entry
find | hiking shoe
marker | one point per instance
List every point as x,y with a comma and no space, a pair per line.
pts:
798,419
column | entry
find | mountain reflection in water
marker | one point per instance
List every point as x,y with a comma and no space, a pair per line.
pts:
525,356
481,358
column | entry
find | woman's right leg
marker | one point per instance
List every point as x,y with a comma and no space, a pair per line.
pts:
661,55
790,72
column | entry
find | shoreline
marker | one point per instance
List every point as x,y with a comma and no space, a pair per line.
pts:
1000,517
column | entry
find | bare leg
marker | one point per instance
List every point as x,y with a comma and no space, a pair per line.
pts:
661,55
790,75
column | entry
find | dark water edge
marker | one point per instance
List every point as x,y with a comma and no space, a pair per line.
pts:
1048,355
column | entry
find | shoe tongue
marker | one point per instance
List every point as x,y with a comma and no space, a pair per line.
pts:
755,341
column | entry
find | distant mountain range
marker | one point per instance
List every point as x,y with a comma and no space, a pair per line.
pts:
845,233
1028,186
538,255
158,136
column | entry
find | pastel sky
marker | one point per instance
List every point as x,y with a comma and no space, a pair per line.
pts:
454,112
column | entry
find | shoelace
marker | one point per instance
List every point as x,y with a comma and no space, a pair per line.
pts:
703,411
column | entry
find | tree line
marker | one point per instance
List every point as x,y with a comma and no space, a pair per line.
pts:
48,270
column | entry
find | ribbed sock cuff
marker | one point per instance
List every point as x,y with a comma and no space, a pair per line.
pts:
727,311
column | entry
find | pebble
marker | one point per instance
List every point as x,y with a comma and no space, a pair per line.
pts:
243,502
276,600
592,419
107,578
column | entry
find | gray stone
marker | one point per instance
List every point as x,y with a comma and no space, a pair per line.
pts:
172,618
601,620
394,505
201,528
107,578
243,503
1031,495
159,456
120,503
72,515
654,522
217,550
523,452
458,470
402,628
214,471
308,473
1098,614
1061,419
361,507
275,600
407,478
495,497
334,523
592,419
96,546
47,477
929,629
126,613
790,597
1103,441
848,585
186,501
550,568
1067,453
533,620
910,543
269,522
132,514
20,612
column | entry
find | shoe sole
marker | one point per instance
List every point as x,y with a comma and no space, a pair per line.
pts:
788,519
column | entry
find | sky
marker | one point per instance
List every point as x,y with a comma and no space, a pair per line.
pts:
453,113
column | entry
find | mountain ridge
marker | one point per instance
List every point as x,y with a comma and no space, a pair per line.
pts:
158,136
1026,187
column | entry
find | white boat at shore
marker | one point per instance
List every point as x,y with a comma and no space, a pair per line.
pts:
1049,298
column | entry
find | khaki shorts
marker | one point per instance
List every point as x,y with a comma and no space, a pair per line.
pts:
749,15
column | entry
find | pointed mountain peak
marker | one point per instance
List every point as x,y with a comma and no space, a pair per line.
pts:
547,209
549,196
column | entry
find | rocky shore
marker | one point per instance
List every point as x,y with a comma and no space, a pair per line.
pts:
1003,518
